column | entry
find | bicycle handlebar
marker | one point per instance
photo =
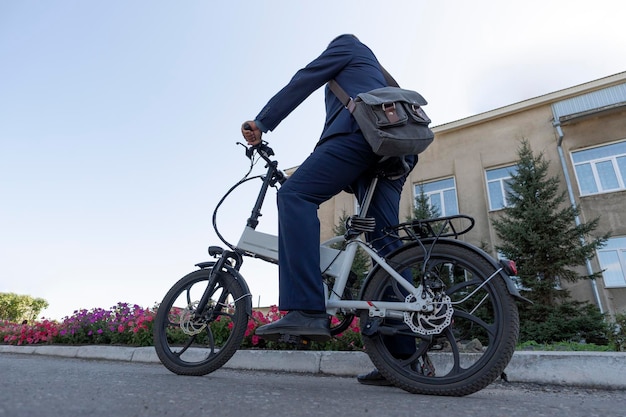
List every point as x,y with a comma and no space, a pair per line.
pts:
261,148
265,152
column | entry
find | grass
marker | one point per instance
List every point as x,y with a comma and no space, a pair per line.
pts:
565,347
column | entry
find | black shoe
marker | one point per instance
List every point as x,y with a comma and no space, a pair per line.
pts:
374,378
314,326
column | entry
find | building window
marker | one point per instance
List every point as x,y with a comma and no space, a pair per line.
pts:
612,258
441,195
601,169
498,186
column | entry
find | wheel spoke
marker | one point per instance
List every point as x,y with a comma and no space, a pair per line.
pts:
186,346
477,320
463,285
456,356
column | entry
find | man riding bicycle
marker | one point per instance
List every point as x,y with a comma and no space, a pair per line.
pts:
342,159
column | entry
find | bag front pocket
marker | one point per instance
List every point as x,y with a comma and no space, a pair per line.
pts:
417,114
388,115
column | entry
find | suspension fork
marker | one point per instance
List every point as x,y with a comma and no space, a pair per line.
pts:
225,257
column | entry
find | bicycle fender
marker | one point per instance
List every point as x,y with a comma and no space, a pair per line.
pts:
505,277
232,271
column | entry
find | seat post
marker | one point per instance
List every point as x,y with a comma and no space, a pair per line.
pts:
368,197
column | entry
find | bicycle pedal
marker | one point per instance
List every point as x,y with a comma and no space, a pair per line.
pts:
295,340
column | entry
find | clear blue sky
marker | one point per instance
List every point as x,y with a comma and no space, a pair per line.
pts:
118,120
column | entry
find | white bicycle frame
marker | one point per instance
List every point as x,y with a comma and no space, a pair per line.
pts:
337,264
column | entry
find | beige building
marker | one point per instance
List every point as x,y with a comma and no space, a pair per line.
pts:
580,130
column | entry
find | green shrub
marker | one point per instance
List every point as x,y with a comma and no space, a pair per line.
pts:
618,334
16,308
570,321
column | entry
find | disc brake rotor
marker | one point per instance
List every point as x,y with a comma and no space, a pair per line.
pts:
190,324
433,322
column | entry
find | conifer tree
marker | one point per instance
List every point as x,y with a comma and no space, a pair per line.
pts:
538,230
422,208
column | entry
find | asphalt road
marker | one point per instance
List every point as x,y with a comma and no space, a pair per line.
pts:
32,385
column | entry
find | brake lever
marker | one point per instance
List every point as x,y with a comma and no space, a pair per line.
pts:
249,149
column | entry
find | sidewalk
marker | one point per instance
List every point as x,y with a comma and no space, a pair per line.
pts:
586,369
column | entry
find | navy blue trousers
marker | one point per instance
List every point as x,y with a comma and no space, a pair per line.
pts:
334,165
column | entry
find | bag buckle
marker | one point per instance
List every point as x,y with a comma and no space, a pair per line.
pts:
419,112
385,106
390,112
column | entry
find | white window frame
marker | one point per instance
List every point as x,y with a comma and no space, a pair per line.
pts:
439,188
609,160
501,183
612,259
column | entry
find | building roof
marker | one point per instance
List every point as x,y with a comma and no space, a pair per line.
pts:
607,91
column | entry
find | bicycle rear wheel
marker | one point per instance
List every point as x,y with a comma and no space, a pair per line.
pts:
188,344
462,346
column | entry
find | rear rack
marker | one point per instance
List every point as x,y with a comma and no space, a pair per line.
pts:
447,226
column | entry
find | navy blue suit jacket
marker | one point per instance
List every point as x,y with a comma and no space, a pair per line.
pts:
350,63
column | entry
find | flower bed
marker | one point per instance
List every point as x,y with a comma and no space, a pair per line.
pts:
126,324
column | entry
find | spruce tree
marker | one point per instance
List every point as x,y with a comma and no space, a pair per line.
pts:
422,209
538,230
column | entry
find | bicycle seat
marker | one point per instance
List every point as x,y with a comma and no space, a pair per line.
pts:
393,167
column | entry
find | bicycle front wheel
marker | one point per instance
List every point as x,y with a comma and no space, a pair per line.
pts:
460,347
188,343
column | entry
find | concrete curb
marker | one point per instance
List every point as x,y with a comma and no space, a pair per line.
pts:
587,369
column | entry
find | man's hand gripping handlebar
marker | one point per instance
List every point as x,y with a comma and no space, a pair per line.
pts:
259,146
251,133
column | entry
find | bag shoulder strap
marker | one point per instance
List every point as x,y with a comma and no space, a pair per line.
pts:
346,100
390,80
